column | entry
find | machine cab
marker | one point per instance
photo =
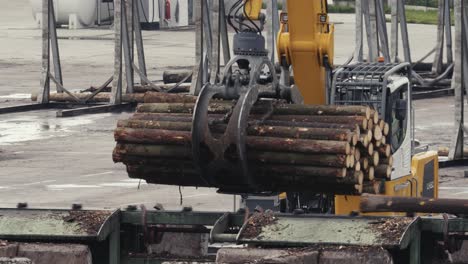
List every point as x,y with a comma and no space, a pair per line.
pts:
386,88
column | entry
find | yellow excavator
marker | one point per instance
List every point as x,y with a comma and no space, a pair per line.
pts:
306,45
213,135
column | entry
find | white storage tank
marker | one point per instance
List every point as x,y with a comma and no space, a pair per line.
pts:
74,13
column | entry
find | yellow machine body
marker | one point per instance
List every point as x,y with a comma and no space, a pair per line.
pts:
253,8
304,41
423,181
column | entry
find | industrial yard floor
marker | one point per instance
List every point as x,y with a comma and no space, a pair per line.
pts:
51,162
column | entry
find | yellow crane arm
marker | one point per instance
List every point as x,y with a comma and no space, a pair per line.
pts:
253,8
305,39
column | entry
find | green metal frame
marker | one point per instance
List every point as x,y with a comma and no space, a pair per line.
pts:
219,223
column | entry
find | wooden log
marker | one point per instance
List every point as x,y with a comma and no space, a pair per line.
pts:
357,154
254,130
382,124
188,119
377,132
369,175
300,112
308,171
358,176
338,161
359,188
374,159
351,120
155,87
386,129
172,152
383,171
378,203
365,150
155,97
152,136
384,140
349,161
370,149
304,133
149,124
181,88
364,140
175,76
326,110
357,166
368,134
384,151
444,151
353,127
99,98
387,161
370,124
168,137
375,116
364,164
374,187
181,108
298,145
378,143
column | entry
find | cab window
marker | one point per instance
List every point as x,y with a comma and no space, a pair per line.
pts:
397,117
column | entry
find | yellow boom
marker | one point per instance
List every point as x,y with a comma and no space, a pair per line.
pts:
304,36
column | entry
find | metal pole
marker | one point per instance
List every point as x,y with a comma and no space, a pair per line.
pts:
224,33
43,96
359,37
395,33
382,30
127,46
98,11
215,38
404,31
55,48
139,41
196,78
448,32
456,148
116,93
438,58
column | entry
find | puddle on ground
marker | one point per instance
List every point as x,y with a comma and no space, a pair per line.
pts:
27,128
16,96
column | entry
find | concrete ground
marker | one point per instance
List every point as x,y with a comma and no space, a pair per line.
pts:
50,162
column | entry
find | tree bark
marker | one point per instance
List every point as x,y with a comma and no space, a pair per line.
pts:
383,171
268,131
384,151
99,98
373,203
175,76
168,137
155,97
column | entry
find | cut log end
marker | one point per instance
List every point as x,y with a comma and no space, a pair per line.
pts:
364,164
370,174
377,133
383,171
370,149
375,158
357,166
386,129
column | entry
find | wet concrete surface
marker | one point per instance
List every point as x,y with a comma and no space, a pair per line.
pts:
51,162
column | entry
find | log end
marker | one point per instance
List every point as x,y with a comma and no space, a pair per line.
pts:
377,133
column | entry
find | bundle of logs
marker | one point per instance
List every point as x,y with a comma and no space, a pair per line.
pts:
328,149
